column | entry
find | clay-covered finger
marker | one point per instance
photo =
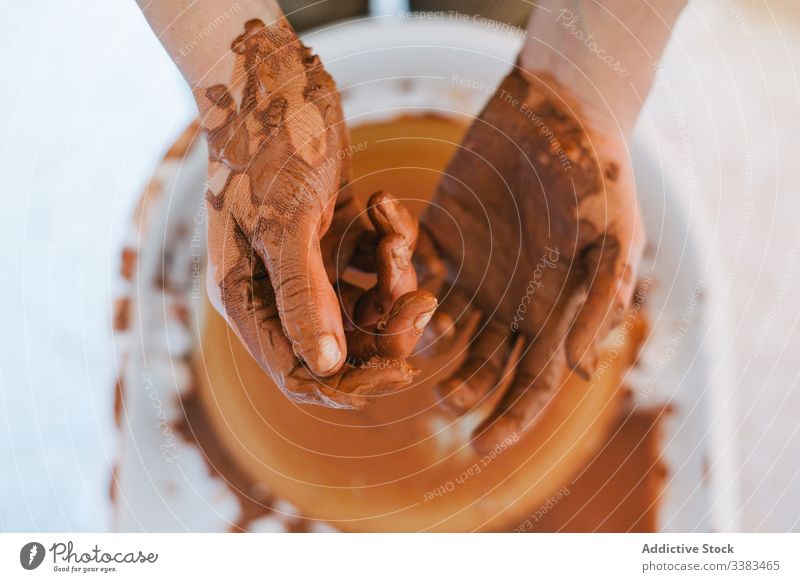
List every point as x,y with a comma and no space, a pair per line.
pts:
357,385
308,306
396,334
539,373
608,290
389,216
454,313
480,372
399,332
239,287
396,277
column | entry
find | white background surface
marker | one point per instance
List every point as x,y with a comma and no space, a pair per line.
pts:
90,101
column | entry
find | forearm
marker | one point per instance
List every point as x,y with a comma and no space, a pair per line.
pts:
198,34
603,51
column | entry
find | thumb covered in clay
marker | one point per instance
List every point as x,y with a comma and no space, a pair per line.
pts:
306,301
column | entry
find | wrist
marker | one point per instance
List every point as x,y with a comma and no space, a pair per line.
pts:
600,107
199,38
605,53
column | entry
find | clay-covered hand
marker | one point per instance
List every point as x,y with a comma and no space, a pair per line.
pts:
537,222
282,223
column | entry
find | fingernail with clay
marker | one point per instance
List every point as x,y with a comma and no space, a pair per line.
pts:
328,355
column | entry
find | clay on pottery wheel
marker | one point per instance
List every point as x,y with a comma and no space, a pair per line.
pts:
404,463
